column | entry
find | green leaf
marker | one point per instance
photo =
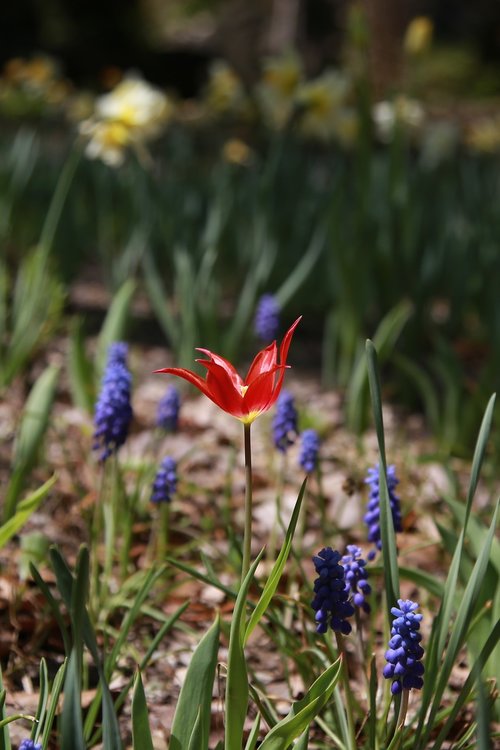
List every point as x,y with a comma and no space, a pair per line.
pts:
459,628
441,624
113,328
158,297
80,370
389,549
237,678
420,577
304,711
4,731
275,575
384,341
71,735
141,733
55,694
195,698
254,734
301,271
25,508
65,584
465,691
34,423
71,727
303,741
43,699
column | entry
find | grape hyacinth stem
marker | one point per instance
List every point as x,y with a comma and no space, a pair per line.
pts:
247,533
347,690
397,739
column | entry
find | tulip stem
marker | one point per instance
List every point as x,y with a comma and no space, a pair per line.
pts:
247,533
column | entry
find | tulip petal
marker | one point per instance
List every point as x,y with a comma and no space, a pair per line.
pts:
261,392
285,344
191,377
222,390
263,361
228,367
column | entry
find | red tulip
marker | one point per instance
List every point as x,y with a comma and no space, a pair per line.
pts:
244,399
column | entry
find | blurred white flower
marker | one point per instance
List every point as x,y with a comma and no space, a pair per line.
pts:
131,114
323,104
402,112
277,87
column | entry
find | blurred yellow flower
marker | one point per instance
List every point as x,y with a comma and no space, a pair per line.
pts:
283,74
36,72
224,93
483,135
320,103
135,104
238,152
107,140
32,86
418,36
132,113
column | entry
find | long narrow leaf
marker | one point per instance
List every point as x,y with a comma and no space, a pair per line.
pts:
303,712
141,733
237,679
25,508
55,695
389,549
275,575
459,628
195,698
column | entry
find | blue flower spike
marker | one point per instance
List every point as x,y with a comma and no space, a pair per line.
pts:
30,745
331,597
113,410
165,483
167,416
356,577
403,656
372,516
285,422
309,450
267,318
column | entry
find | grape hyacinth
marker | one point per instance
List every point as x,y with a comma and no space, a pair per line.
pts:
285,422
30,745
356,576
165,482
308,458
331,596
405,652
113,410
372,516
167,416
267,318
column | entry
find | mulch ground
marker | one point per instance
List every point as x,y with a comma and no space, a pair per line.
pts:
205,514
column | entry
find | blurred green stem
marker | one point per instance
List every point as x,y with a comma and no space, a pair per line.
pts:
247,534
58,199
